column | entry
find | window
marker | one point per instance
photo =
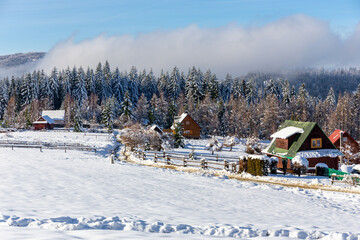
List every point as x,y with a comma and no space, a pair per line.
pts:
344,139
187,122
188,132
316,143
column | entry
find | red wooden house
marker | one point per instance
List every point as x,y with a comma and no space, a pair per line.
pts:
190,128
50,119
44,122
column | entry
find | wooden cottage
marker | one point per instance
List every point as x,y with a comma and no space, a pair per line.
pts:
50,119
190,128
43,122
305,139
348,142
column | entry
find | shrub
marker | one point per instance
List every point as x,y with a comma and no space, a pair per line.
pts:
214,145
137,137
273,165
321,169
252,145
300,165
255,166
230,142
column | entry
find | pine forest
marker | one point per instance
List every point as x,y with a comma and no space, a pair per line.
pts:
251,105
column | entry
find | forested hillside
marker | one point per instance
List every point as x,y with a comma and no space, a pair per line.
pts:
252,105
14,60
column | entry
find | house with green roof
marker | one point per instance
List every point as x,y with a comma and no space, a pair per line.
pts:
304,139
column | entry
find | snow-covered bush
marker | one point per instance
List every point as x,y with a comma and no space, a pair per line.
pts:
231,141
273,161
321,169
167,141
214,145
300,164
137,137
252,145
356,169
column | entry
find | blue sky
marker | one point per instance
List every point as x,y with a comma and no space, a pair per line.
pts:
38,25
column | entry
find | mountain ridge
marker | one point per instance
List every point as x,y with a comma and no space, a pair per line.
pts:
17,59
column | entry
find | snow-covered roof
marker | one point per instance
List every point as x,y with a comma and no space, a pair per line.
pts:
319,153
46,118
54,114
154,127
287,132
181,117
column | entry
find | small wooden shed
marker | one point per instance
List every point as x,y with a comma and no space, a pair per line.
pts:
43,122
305,139
190,128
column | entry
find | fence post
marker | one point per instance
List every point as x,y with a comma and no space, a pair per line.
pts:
202,164
226,165
168,160
155,158
12,146
40,148
184,162
143,155
233,167
239,165
217,157
163,154
332,179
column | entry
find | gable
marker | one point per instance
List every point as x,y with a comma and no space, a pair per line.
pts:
317,133
186,120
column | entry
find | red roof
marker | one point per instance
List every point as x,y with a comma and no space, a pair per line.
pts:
335,135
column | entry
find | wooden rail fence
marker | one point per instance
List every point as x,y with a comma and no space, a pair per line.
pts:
41,146
234,165
353,180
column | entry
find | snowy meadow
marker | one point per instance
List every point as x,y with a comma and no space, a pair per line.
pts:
79,194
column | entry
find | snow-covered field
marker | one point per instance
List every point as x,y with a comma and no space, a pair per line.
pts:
78,194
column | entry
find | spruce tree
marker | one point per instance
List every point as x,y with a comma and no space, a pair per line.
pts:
178,137
78,125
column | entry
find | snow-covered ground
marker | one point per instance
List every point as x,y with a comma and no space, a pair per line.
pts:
53,194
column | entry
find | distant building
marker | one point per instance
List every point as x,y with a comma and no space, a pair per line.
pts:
156,128
305,139
190,128
347,141
43,122
50,119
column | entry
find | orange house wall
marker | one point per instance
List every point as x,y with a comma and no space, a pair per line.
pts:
192,126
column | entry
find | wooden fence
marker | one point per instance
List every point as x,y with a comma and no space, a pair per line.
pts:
235,165
41,146
352,180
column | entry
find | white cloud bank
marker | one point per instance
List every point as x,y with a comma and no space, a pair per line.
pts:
292,42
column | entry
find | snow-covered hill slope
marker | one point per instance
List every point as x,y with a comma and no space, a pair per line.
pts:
44,192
